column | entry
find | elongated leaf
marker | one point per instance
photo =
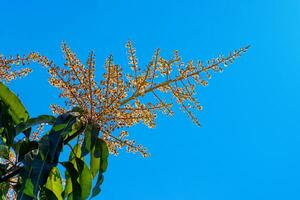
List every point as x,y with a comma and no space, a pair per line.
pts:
35,121
29,188
85,176
72,173
97,189
38,163
104,156
101,150
90,136
23,147
95,158
7,130
16,109
54,183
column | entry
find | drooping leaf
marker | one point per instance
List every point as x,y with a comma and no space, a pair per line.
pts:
101,150
95,158
59,127
97,189
39,162
7,130
85,176
23,147
90,136
29,188
16,109
104,156
35,121
52,143
54,183
36,170
73,175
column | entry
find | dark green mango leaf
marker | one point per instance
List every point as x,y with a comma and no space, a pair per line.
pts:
36,170
90,136
16,109
23,147
7,129
3,169
85,176
51,145
67,124
59,127
49,119
97,189
39,163
104,156
101,151
95,158
72,174
99,156
76,126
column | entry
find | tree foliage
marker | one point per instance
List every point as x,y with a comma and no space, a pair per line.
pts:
93,122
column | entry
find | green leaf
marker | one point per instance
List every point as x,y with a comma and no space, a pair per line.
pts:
99,156
47,194
39,163
74,189
16,109
7,129
97,189
54,183
60,127
85,180
95,158
49,119
23,147
104,156
4,151
29,188
85,176
101,150
90,136
68,124
4,186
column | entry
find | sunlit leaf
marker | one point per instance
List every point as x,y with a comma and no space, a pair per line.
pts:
29,188
54,183
16,108
85,176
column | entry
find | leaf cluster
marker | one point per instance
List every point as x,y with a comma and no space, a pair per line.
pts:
29,168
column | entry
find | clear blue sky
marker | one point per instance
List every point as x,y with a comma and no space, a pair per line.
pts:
248,147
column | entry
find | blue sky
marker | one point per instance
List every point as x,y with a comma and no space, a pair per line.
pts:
248,147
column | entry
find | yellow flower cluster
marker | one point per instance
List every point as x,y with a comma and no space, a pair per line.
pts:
7,73
123,99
